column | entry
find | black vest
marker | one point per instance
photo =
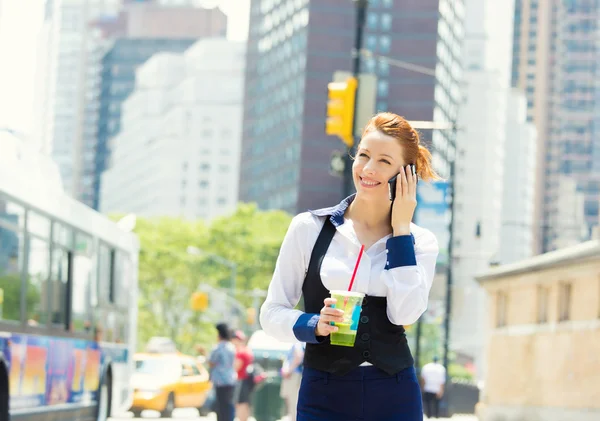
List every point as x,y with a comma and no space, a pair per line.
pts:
378,341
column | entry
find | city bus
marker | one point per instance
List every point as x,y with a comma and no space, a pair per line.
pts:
68,294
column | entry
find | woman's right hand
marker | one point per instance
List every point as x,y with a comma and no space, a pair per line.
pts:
328,314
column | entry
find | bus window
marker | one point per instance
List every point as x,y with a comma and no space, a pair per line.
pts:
80,302
122,279
62,235
104,272
37,281
81,291
11,263
11,214
59,277
38,225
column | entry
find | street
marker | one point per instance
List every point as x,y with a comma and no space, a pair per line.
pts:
182,414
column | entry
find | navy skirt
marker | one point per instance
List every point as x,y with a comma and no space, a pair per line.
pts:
364,394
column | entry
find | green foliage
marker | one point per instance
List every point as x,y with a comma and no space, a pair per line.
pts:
458,372
11,286
432,345
168,275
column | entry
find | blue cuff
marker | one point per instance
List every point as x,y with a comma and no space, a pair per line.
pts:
400,252
305,326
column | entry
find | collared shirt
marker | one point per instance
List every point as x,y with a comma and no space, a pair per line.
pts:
399,268
222,358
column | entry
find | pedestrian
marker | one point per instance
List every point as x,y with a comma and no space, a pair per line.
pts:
375,379
245,383
291,373
433,375
222,375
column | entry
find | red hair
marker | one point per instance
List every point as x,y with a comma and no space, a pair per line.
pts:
395,126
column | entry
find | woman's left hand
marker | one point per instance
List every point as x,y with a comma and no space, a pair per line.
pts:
405,202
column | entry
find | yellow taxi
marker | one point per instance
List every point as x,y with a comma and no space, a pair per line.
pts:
165,381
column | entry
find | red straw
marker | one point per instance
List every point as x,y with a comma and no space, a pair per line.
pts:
360,253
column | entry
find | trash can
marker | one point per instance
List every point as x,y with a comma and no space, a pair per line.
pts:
269,353
267,405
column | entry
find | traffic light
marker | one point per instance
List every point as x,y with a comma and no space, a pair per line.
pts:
340,110
199,301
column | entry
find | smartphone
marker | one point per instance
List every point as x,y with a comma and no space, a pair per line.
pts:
392,187
392,184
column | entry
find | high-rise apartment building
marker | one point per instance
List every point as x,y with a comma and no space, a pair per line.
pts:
76,36
178,151
66,86
141,31
286,152
494,171
555,62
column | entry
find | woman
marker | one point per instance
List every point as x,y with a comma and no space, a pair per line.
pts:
375,380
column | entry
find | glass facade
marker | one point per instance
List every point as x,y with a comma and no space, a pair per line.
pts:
286,152
566,105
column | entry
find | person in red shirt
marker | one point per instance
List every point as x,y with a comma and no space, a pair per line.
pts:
245,385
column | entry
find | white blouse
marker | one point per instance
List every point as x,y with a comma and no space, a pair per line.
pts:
405,287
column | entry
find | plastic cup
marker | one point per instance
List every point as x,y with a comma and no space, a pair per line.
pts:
351,303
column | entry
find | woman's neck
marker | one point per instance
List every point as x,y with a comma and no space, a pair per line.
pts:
370,214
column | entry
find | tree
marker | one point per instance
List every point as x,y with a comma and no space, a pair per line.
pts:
168,275
10,285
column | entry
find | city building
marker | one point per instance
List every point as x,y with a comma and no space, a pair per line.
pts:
140,31
555,64
518,197
543,333
479,169
69,88
178,150
286,152
66,86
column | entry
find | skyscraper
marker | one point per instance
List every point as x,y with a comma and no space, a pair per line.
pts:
295,46
178,151
136,35
555,62
77,34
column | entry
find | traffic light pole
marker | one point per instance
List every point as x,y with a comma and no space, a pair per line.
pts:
361,13
449,280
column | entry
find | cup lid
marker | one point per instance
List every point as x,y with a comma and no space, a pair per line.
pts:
347,293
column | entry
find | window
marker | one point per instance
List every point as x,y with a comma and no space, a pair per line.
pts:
501,308
383,88
564,302
187,370
385,43
59,284
38,224
11,262
82,284
105,272
384,68
542,304
386,22
371,42
11,214
372,20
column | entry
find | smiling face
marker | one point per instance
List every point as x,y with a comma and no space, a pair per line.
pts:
379,157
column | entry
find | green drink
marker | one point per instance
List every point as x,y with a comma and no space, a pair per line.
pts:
351,303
